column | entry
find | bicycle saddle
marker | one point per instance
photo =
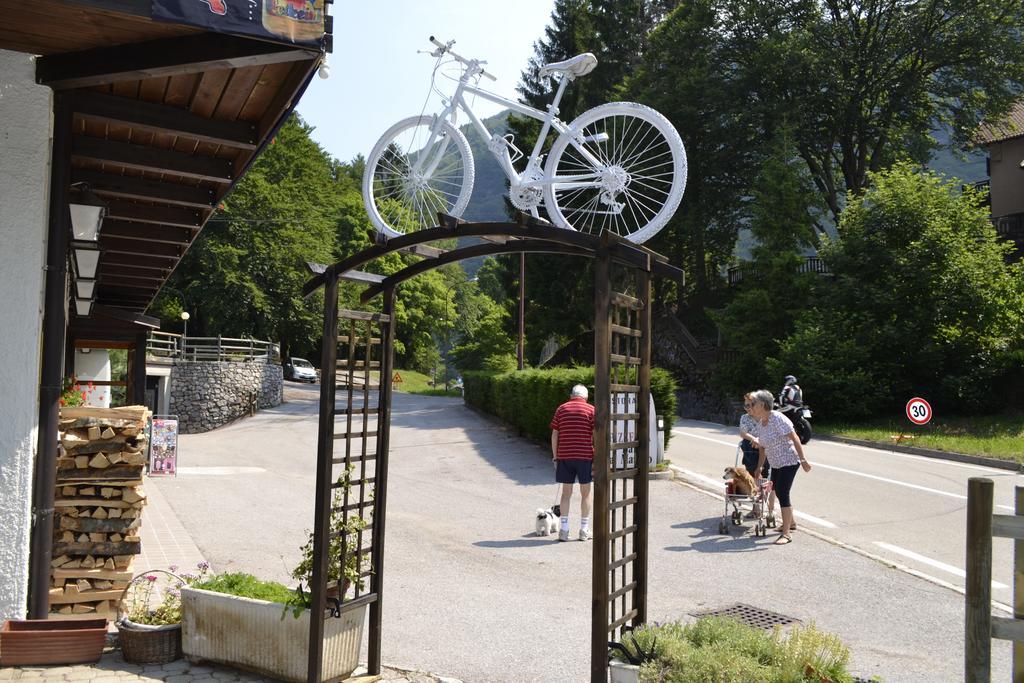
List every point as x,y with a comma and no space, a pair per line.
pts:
577,66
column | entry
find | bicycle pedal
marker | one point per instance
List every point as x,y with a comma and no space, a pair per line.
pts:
599,137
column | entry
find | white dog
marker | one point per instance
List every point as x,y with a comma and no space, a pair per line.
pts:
547,521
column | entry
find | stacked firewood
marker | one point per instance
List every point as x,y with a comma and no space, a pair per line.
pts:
98,509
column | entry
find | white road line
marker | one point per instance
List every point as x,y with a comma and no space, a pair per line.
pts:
814,520
924,458
720,485
848,471
948,568
876,451
868,554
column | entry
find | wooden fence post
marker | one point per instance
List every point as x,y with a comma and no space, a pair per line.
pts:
1018,586
978,607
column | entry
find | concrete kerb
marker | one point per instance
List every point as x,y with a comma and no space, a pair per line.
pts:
928,453
683,479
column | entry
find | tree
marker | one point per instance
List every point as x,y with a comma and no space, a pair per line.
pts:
864,83
689,74
922,303
244,275
772,290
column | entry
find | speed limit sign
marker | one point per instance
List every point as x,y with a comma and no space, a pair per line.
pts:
919,411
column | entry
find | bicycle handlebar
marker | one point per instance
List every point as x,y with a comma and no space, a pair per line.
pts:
474,64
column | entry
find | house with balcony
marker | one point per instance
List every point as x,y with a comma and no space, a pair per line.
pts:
124,123
1005,143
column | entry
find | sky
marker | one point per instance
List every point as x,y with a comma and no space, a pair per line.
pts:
377,78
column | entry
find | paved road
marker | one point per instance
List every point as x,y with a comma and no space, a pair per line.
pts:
908,509
471,593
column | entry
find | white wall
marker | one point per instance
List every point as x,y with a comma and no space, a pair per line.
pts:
25,138
94,364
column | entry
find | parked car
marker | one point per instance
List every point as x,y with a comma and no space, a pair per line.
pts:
300,370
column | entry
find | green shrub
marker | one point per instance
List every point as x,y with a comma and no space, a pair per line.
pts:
247,586
528,398
719,650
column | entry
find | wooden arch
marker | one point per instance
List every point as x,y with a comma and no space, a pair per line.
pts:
354,484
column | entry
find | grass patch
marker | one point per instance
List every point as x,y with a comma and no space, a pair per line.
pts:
247,586
713,650
996,436
417,383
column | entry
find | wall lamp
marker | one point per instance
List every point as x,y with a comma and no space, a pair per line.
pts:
87,214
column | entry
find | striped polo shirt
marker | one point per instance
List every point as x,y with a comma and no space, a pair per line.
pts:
574,421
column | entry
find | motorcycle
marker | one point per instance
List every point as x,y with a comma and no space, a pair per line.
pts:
799,416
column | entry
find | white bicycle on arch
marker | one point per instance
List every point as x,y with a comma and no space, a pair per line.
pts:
620,166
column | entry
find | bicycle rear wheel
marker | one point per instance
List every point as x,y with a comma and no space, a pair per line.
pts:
622,168
409,178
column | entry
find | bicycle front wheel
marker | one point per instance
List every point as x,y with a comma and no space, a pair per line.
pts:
621,167
414,172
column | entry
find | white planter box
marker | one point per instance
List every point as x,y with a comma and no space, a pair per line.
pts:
252,635
620,672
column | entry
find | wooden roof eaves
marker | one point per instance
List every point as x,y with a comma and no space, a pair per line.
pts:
163,57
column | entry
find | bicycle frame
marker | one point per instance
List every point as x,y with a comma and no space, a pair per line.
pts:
548,120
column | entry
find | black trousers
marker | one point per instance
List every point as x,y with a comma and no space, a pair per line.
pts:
750,456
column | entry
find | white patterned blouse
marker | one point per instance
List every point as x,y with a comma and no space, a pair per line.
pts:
774,437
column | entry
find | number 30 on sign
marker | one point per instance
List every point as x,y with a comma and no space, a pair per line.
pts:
919,411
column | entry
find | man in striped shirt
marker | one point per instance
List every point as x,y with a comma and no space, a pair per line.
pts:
572,450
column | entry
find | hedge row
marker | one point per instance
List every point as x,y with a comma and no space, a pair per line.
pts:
528,398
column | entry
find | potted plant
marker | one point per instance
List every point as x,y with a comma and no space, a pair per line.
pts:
148,625
44,642
259,625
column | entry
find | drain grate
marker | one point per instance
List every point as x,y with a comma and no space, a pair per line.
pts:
752,616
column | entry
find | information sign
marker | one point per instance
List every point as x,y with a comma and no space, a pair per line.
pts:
163,447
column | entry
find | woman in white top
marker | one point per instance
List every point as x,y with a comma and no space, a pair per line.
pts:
781,447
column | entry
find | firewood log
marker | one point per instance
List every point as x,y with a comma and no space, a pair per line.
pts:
93,433
107,433
99,461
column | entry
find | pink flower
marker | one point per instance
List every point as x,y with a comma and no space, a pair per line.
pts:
150,578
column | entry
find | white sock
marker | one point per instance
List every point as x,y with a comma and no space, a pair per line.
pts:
565,523
584,523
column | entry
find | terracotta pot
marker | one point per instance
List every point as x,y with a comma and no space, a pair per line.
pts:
36,642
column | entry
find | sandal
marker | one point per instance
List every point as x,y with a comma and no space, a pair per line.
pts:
783,540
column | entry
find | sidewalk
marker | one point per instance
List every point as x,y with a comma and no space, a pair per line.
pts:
166,544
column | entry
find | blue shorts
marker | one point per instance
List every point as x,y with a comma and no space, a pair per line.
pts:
568,471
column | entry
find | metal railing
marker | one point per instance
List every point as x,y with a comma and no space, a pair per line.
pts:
811,264
174,346
1010,226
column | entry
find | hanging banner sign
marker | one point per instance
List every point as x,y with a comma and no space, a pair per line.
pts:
295,21
163,447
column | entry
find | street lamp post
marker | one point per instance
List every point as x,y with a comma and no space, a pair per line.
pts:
184,334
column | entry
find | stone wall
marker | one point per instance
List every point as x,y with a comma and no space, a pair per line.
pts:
209,394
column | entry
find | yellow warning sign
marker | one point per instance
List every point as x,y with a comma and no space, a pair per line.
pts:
396,379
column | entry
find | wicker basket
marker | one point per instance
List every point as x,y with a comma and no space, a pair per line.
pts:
143,643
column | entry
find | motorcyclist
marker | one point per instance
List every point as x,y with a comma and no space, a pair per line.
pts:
791,394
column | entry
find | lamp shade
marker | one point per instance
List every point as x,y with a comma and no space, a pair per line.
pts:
87,212
85,221
87,258
85,288
83,307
